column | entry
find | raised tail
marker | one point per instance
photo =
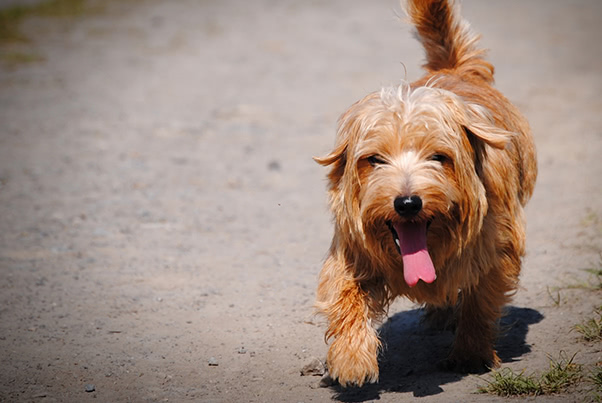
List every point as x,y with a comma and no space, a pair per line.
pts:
447,38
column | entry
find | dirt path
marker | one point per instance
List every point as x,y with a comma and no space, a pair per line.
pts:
162,223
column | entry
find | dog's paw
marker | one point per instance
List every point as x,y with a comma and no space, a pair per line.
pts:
352,366
353,372
327,381
469,364
355,379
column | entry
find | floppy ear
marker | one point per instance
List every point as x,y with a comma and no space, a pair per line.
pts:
346,127
338,154
361,115
337,159
480,123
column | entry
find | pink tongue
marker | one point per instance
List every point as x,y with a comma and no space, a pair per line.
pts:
417,264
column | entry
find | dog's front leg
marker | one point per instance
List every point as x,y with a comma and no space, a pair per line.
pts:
350,309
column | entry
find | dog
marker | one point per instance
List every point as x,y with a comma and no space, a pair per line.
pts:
427,185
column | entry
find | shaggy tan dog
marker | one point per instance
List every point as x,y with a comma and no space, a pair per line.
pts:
427,186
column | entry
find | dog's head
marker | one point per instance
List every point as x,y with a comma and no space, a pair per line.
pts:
406,170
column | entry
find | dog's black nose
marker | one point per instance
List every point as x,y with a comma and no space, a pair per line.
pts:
408,206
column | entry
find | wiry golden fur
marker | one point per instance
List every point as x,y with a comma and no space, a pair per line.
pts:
459,145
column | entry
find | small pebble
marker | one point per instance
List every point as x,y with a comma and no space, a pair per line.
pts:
90,388
274,165
213,362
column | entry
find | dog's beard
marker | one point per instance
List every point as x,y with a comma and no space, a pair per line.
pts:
410,239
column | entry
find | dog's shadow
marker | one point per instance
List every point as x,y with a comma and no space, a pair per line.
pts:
412,352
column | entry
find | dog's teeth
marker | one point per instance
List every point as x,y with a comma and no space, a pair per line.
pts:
397,242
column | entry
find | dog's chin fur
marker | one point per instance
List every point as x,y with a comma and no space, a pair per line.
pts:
455,142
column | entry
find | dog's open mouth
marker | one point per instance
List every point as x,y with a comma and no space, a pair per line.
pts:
410,239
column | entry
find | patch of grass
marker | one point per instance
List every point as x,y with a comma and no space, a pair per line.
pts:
10,21
59,8
506,383
591,330
596,379
12,17
11,59
563,373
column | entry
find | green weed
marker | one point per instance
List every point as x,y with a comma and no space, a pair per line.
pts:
15,58
506,383
562,373
596,379
12,17
591,330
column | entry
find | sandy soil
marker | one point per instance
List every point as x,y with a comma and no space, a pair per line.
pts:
162,223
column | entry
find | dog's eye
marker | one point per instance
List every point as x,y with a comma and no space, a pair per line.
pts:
439,158
376,160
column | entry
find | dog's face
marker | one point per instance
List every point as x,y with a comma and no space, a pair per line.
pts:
406,172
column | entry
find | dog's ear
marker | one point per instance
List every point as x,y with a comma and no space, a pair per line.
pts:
338,154
347,126
479,123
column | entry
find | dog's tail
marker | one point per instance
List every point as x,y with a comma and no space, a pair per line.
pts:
447,38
